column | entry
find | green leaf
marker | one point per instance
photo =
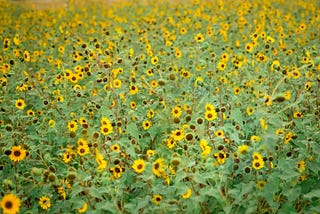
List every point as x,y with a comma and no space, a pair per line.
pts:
132,130
107,206
293,194
314,193
95,193
287,208
236,115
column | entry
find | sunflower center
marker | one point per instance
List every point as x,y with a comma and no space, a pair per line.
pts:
117,169
8,204
82,150
156,166
140,166
257,164
17,153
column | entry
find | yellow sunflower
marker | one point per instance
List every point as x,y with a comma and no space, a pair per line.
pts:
187,194
72,126
17,153
146,124
156,199
133,89
176,111
84,208
210,115
158,167
106,129
20,104
83,150
44,202
10,204
139,165
258,164
178,135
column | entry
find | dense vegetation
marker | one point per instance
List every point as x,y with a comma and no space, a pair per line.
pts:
140,107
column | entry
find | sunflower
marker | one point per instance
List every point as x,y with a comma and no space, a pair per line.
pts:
187,194
67,156
84,208
255,138
249,47
249,110
257,156
260,184
133,89
117,83
30,113
263,124
157,167
82,142
287,95
44,202
171,143
154,60
139,166
83,150
116,171
210,115
146,124
20,104
106,129
150,113
243,149
105,121
26,56
199,37
72,126
288,137
221,65
178,135
178,53
133,105
258,164
219,133
220,158
236,90
102,164
10,204
150,153
297,114
206,150
115,147
209,107
183,30
154,83
156,199
176,111
301,166
17,153
52,123
268,100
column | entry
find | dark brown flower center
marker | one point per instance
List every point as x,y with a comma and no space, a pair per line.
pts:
17,153
8,205
156,166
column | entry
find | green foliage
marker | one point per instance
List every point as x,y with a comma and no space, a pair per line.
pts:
160,107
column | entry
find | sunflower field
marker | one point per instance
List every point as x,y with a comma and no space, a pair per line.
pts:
160,107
